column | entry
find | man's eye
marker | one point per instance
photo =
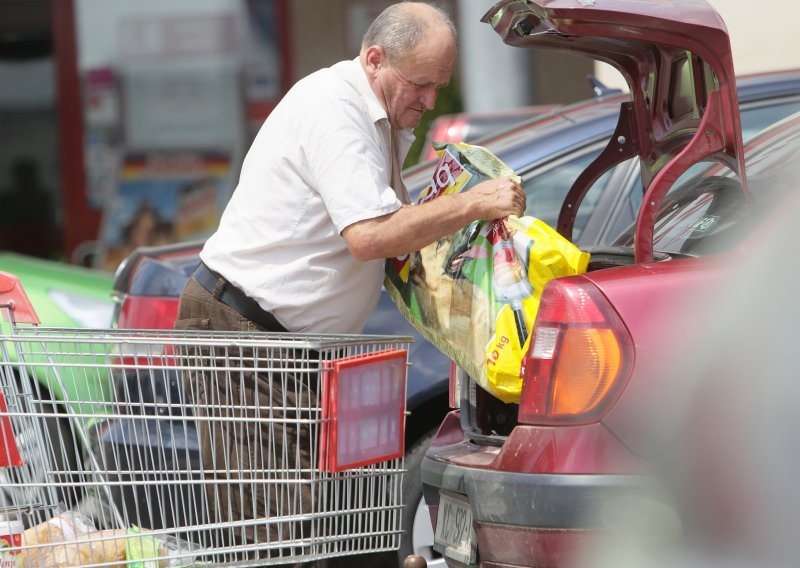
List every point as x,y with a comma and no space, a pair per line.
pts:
425,86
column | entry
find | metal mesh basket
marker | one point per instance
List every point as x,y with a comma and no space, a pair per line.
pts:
191,448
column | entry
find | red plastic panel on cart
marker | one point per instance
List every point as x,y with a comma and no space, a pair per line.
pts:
14,297
9,453
363,410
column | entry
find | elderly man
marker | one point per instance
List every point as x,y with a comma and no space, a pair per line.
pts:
321,203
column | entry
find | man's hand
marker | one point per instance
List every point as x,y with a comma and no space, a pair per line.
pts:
497,198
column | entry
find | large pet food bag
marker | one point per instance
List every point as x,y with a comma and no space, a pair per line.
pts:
474,294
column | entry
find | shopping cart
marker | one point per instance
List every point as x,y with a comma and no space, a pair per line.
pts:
267,448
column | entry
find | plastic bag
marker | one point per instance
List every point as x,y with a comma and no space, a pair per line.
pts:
141,549
474,294
71,539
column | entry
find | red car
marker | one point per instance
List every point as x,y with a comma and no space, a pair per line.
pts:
539,484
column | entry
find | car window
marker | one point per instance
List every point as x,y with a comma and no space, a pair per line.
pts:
546,190
635,199
163,277
708,212
701,209
756,118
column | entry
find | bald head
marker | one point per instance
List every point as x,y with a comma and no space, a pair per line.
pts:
402,27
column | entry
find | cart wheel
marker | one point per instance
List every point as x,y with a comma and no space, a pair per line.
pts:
417,527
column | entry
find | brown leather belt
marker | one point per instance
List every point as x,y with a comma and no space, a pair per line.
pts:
219,287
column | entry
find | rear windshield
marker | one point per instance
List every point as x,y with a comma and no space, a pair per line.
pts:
706,211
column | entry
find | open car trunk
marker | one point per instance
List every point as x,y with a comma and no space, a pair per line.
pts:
683,110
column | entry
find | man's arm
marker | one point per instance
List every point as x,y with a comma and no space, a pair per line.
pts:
414,226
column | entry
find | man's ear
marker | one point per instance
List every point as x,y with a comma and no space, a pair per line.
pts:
374,56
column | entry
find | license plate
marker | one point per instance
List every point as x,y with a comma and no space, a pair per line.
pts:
455,533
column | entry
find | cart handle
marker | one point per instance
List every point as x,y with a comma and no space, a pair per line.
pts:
14,303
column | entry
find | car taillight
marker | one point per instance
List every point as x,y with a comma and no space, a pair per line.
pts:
579,359
147,312
446,129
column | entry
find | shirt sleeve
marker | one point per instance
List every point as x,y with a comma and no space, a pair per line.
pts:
347,162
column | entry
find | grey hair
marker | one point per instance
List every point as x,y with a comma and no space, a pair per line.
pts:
399,29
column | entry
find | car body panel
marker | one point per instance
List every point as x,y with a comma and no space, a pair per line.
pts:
656,327
64,296
512,144
40,277
545,500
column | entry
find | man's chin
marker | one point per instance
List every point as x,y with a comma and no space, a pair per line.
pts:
412,120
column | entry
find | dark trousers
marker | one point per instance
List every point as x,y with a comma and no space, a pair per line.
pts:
251,427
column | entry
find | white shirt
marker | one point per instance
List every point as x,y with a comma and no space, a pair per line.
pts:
320,163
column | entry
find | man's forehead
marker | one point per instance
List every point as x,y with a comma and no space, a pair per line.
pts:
433,52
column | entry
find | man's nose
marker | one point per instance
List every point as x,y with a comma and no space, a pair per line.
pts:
428,97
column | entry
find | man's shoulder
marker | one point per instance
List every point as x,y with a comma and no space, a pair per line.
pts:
335,82
328,98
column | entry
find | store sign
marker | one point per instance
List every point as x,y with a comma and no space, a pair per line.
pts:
177,37
179,104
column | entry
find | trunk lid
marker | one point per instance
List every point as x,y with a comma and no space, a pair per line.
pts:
676,58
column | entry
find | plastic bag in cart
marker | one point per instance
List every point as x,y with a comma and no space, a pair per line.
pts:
474,294
71,539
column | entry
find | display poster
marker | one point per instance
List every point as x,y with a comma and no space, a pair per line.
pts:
102,133
161,198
